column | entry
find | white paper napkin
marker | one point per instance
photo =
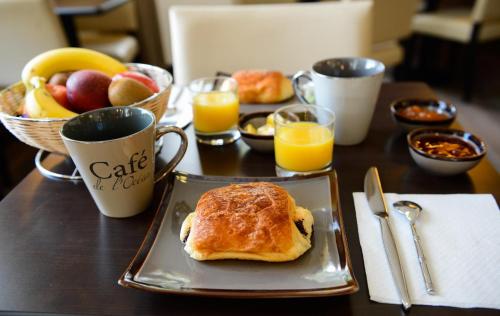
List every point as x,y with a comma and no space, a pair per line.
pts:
460,235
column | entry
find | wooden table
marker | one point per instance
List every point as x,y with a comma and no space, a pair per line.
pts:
69,9
59,255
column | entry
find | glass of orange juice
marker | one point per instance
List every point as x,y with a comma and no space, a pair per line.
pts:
303,139
215,110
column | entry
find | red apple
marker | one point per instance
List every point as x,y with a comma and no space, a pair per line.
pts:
88,90
59,78
58,92
145,80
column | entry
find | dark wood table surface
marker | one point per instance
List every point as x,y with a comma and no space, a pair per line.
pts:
67,10
59,255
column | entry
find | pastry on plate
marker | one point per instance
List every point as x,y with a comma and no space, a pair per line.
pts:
260,86
249,221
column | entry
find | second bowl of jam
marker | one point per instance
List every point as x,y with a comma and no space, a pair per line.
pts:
445,151
411,114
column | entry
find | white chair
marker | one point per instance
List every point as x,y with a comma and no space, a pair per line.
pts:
163,6
123,47
122,19
30,27
286,37
112,33
391,24
469,26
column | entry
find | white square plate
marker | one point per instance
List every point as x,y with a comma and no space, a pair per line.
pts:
162,265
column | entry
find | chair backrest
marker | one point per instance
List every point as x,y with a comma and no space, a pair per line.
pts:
285,37
486,10
122,19
27,28
162,9
392,18
163,6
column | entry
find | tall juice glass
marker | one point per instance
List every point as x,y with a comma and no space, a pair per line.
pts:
303,139
215,110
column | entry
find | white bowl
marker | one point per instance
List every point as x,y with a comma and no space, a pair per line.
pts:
437,105
263,143
443,165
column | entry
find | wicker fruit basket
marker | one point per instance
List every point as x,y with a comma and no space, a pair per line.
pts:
44,133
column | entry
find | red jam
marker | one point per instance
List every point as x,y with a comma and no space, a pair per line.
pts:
445,146
422,113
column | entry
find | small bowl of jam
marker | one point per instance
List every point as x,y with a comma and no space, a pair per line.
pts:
411,114
445,151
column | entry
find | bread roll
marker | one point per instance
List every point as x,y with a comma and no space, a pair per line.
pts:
258,86
251,221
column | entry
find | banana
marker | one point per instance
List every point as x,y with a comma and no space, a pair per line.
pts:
67,59
39,103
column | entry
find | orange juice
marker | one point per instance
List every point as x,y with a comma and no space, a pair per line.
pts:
303,146
215,111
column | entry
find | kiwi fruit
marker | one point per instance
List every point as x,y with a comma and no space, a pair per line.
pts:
126,91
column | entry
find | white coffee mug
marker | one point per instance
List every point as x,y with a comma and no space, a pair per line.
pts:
349,87
113,149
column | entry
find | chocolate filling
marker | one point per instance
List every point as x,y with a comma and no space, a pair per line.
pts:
187,236
299,224
300,227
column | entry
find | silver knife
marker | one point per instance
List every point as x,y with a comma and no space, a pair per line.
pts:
375,197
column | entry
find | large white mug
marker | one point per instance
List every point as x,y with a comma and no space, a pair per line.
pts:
113,149
349,87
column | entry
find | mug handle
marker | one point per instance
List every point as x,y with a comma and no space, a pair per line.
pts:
296,87
162,130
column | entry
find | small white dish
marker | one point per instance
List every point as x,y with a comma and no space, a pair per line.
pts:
162,266
262,143
437,106
441,165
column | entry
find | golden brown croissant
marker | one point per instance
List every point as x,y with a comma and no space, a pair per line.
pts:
250,221
259,86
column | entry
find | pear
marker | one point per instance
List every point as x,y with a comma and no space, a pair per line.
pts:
126,91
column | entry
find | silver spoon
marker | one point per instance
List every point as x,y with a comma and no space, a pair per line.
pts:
412,210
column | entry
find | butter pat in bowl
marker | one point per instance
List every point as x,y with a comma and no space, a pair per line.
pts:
257,130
